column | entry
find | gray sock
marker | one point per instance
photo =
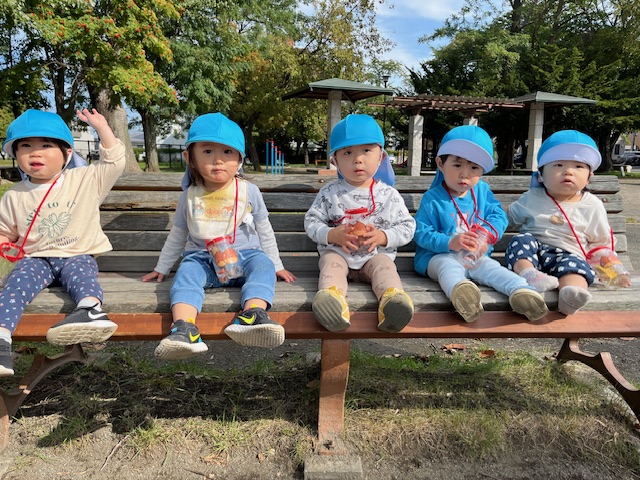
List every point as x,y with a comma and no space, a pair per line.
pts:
571,299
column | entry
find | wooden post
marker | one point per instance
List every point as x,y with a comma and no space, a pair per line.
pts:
333,387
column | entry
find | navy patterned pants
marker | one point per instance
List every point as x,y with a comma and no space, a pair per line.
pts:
77,275
548,259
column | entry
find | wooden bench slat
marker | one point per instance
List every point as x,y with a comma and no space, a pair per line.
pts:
364,325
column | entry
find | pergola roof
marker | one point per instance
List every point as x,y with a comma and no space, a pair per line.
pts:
553,99
351,91
424,101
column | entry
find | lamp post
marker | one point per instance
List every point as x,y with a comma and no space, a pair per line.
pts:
385,79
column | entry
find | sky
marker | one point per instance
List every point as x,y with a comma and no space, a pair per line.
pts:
405,21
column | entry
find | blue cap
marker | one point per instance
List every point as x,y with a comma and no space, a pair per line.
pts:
355,130
215,127
570,145
36,123
362,130
470,142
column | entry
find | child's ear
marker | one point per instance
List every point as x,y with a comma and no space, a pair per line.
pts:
540,177
185,155
439,162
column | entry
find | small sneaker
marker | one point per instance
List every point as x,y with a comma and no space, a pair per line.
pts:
465,297
84,324
183,341
529,303
6,362
254,328
331,309
395,310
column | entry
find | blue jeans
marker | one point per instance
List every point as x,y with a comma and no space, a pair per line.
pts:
448,271
197,273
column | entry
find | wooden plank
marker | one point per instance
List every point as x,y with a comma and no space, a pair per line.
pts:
155,326
128,294
312,183
163,201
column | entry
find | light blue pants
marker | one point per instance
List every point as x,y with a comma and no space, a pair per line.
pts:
197,273
448,271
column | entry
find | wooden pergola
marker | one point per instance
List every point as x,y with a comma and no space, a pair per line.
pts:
471,106
336,90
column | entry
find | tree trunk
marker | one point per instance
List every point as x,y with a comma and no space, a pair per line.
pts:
116,117
150,146
305,148
251,149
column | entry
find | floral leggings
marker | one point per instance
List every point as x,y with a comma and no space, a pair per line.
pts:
77,275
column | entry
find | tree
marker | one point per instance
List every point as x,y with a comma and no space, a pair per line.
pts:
21,83
576,48
99,48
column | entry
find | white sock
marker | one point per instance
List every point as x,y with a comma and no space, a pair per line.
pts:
86,302
539,280
572,299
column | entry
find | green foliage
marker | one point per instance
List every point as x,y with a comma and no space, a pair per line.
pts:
574,48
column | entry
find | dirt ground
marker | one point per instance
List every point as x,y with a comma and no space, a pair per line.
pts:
101,453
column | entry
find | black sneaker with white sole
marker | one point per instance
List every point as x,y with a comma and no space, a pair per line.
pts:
183,341
6,362
83,325
254,328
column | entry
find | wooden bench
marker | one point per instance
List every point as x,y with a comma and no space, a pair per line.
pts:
137,215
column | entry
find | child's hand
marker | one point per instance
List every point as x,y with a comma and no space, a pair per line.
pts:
464,241
340,236
100,125
153,275
374,238
286,275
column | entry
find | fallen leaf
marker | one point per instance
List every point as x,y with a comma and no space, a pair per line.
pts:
454,346
487,353
313,384
627,339
213,458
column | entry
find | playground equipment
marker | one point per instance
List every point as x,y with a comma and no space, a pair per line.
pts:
275,158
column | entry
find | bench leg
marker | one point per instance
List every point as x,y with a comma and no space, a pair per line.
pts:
11,401
603,364
333,387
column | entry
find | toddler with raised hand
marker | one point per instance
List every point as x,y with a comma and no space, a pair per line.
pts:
50,224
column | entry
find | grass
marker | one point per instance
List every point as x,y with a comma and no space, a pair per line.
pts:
440,406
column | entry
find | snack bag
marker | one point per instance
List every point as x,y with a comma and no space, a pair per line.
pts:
225,259
9,256
608,267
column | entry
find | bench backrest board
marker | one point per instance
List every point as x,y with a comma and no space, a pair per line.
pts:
137,215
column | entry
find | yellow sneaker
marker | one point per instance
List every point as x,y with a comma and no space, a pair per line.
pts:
395,310
466,300
528,303
331,309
